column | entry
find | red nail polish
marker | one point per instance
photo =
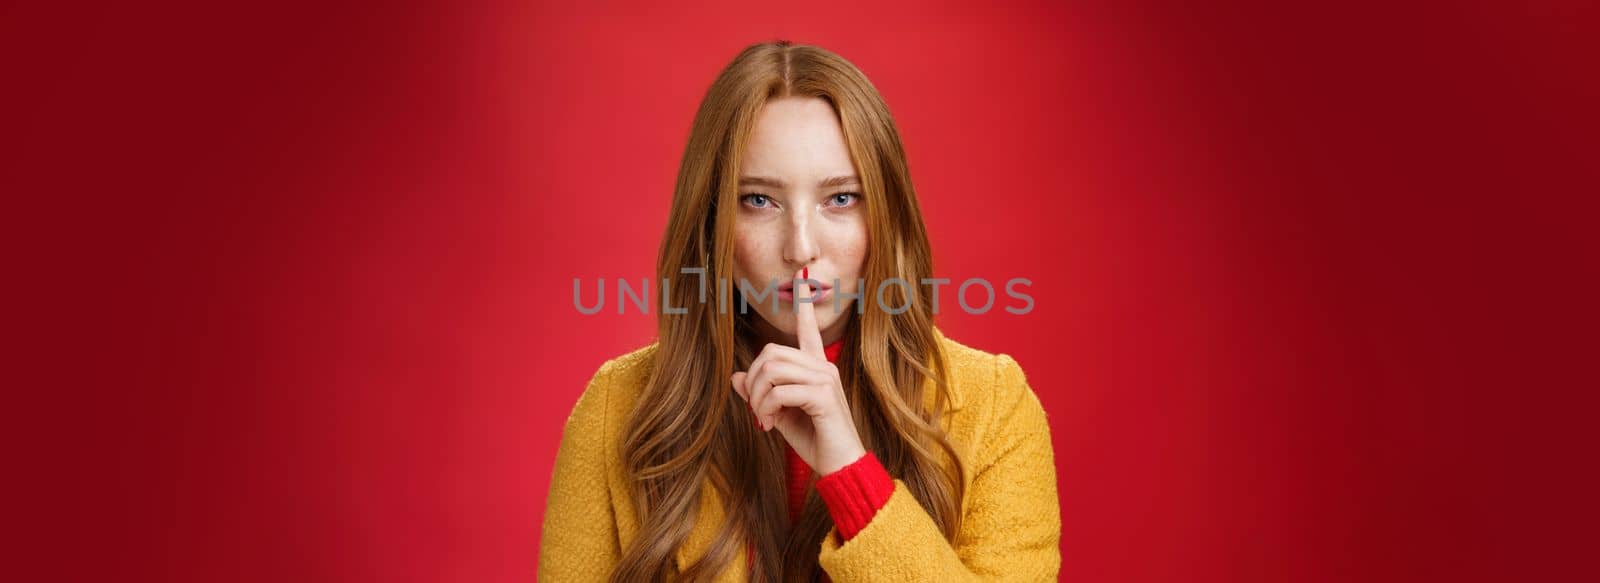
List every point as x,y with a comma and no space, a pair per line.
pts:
805,272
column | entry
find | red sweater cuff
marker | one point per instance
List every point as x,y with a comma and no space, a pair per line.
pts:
855,493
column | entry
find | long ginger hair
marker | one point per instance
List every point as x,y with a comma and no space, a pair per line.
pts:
692,427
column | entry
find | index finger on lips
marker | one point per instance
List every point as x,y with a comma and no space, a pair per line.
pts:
810,337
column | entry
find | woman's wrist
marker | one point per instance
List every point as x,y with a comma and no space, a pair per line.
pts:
831,464
855,492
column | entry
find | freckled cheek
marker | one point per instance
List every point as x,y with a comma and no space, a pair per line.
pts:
751,250
849,248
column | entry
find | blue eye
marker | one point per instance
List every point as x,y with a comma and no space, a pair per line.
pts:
756,200
844,199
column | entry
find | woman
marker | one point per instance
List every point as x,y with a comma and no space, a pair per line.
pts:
772,438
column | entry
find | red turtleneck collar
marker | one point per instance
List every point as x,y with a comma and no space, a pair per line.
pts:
832,350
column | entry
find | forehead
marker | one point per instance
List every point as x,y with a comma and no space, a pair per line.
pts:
797,139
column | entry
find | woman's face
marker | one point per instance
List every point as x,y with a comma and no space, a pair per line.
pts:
799,206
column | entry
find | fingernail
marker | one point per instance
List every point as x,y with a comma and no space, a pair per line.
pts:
805,272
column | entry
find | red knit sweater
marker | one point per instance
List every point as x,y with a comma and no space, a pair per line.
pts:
853,494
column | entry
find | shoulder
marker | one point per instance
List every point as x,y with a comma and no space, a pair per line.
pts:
631,368
1002,414
613,387
982,379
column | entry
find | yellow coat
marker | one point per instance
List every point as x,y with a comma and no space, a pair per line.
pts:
1010,530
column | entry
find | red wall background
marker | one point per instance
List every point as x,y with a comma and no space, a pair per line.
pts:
1314,284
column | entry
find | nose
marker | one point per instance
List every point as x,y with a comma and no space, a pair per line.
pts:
801,248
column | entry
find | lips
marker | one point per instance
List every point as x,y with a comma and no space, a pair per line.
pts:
820,292
788,286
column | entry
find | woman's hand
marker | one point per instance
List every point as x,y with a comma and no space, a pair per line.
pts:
799,392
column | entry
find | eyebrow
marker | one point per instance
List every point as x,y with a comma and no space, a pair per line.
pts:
830,182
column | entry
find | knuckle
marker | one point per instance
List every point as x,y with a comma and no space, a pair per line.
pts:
790,393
